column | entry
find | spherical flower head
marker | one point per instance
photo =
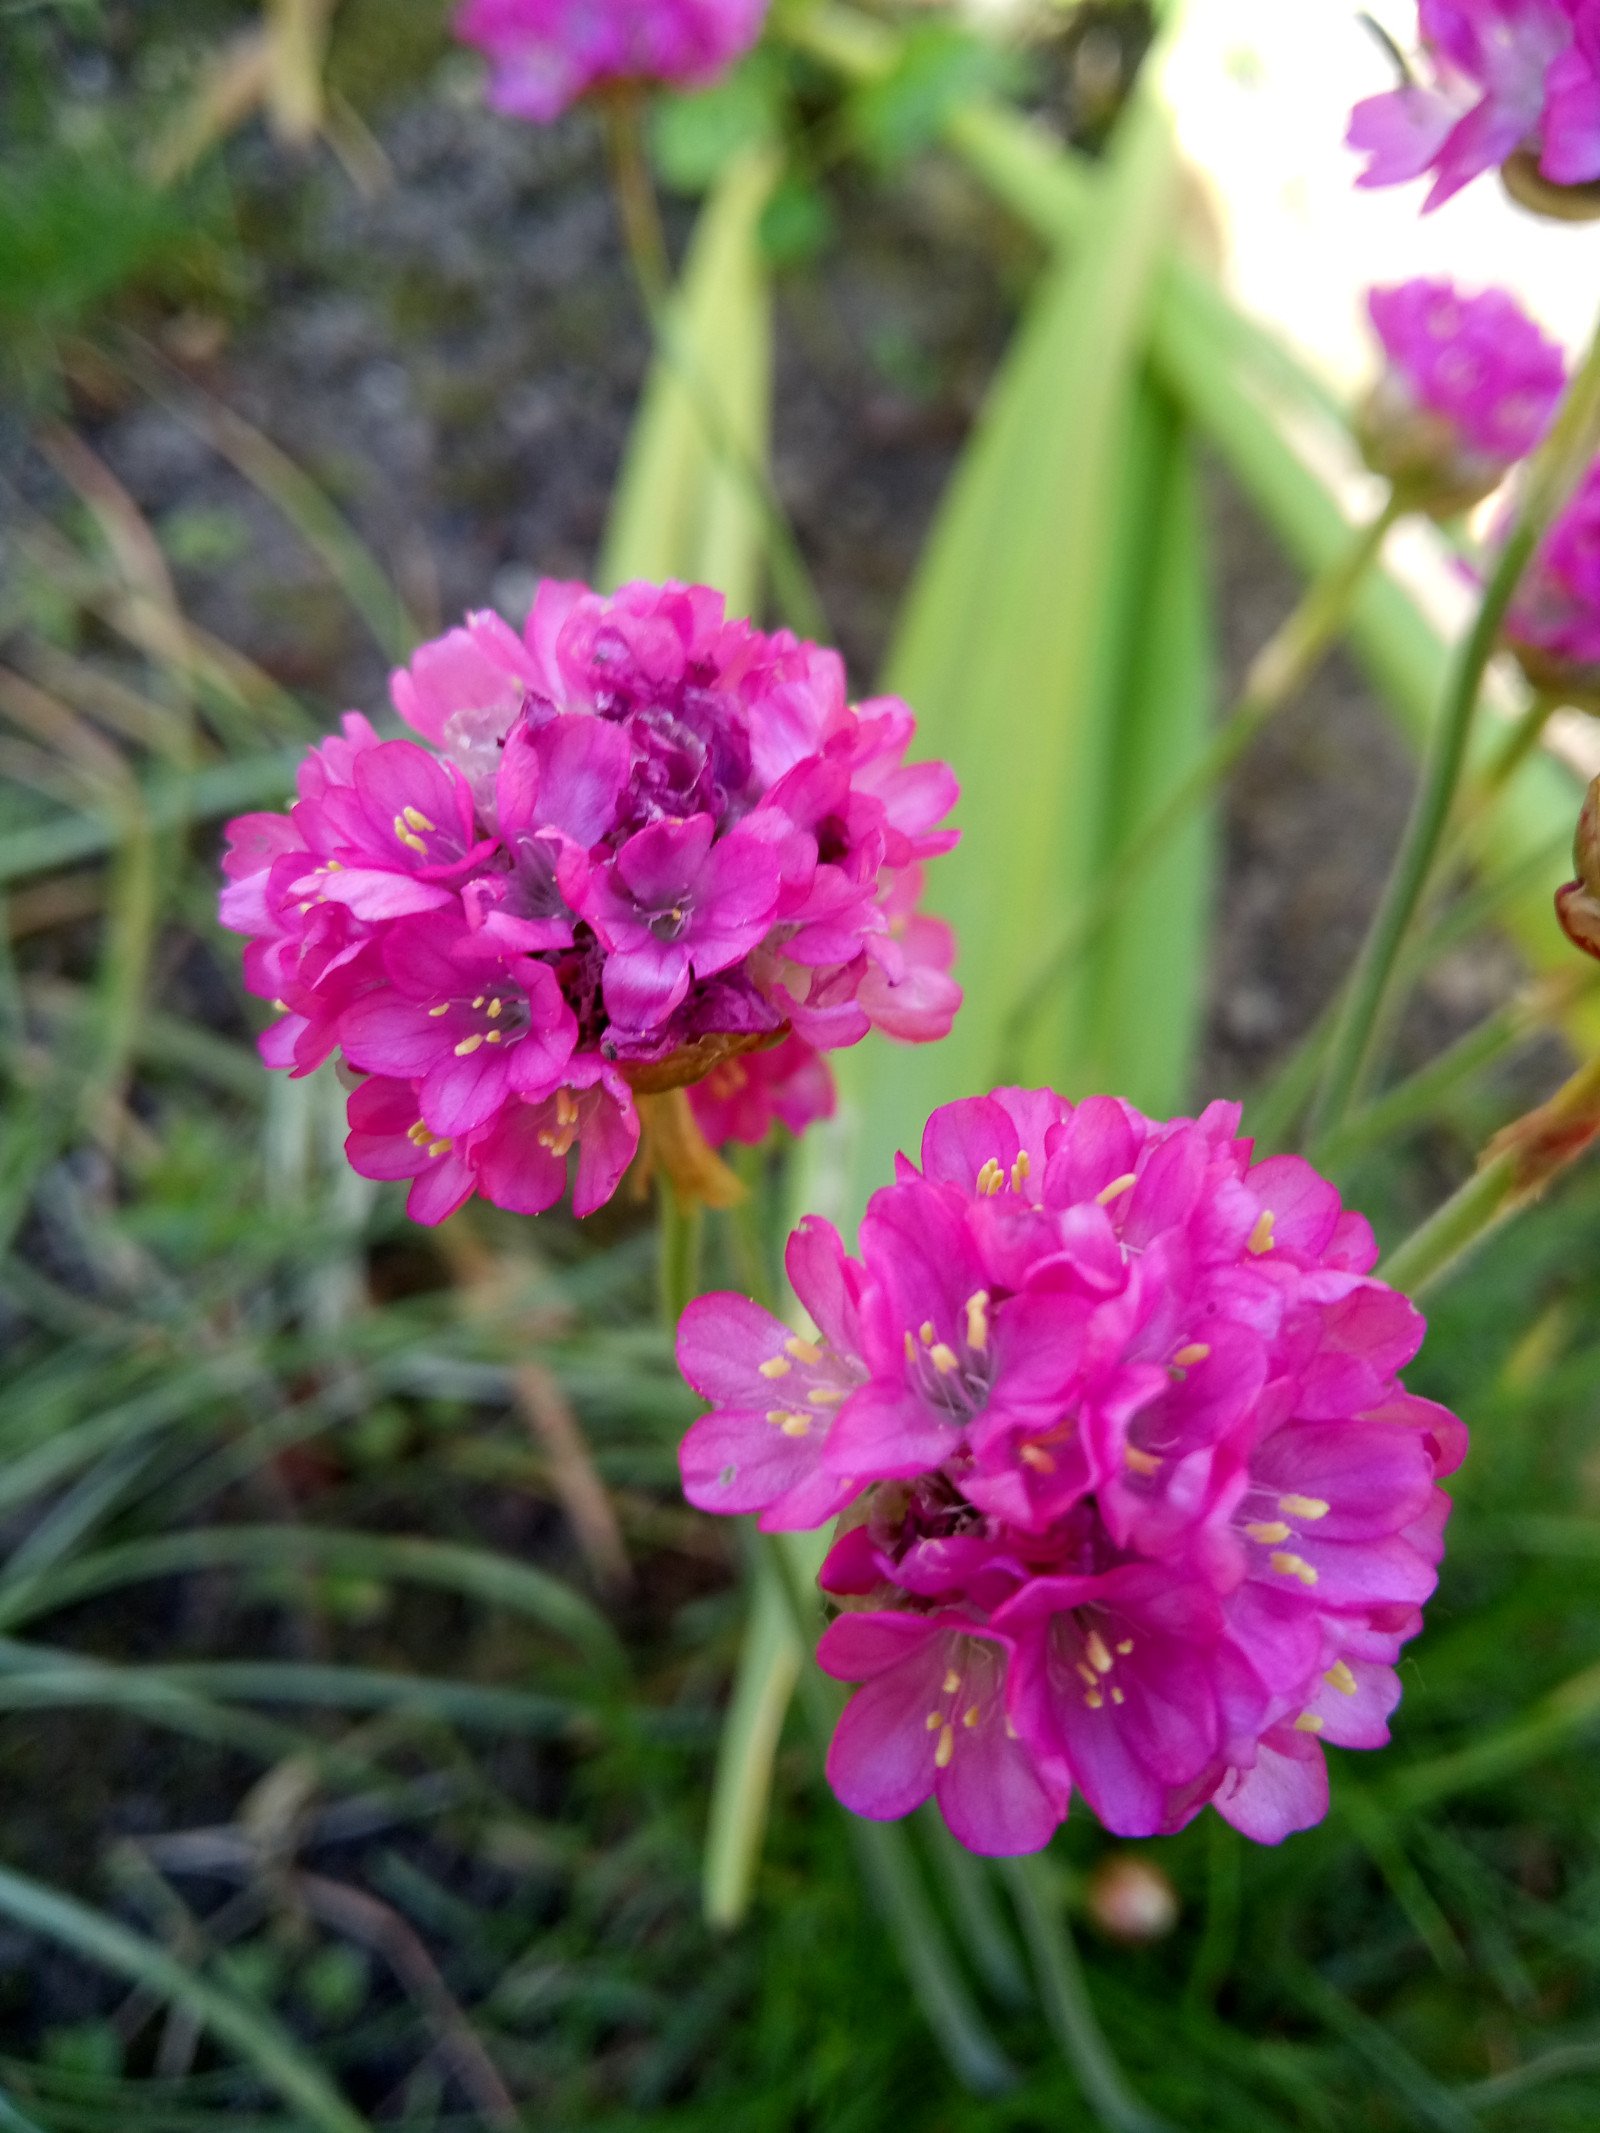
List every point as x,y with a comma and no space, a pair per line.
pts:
1507,84
1554,623
1470,386
546,54
1131,1499
635,848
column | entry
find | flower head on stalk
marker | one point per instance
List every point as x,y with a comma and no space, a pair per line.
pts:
636,848
1507,84
1133,1501
1469,386
546,54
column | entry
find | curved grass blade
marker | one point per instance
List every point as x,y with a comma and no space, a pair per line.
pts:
770,1659
250,2031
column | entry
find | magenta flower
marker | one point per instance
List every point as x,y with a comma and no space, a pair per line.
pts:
635,845
1470,386
1511,82
1554,624
1134,1502
546,54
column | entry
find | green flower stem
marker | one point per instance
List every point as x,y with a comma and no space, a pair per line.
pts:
1558,464
1279,671
681,1227
1519,744
1066,2000
1519,1165
622,117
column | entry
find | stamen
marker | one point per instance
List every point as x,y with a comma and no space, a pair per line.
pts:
952,1681
1117,1187
417,819
1308,1722
1340,1677
1196,1352
829,1395
495,1008
926,1333
439,1147
468,1045
1307,1507
1117,1696
776,1366
933,1721
969,1717
409,837
1037,1457
1268,1532
1293,1566
944,1358
1094,1699
797,1425
945,1749
978,1321
1125,1646
1088,1673
990,1179
1099,1658
1140,1462
1021,1170
911,1349
419,1132
1260,1238
803,1351
494,1036
478,1002
443,1008
566,1108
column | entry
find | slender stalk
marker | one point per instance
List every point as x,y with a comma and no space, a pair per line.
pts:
681,1226
1066,2002
1518,745
1518,1165
1557,466
1278,672
622,116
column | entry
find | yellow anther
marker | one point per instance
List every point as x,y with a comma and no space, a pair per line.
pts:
969,1717
1021,1171
990,1179
566,1107
1140,1462
829,1395
468,1045
1340,1677
1196,1352
409,837
494,1036
1099,1658
496,1008
1087,1673
945,1749
911,1349
1094,1699
478,1002
443,1008
776,1366
419,1132
926,1333
1260,1238
978,1321
933,1721
803,1351
944,1358
1037,1457
1117,1696
797,1425
282,1006
417,819
952,1681
1117,1187
1308,1722
1125,1647
1268,1532
439,1147
1310,1508
1293,1566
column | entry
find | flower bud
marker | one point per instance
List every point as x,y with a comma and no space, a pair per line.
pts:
1578,902
1131,1899
1553,629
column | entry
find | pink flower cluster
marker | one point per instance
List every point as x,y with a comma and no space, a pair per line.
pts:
1508,78
546,54
1135,1502
1554,624
642,844
1470,387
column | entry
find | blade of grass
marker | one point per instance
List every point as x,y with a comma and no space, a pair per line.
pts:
770,1659
997,648
250,2031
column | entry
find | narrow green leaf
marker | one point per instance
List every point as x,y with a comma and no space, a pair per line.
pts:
770,1659
254,2034
688,502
